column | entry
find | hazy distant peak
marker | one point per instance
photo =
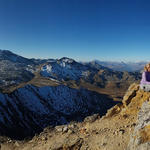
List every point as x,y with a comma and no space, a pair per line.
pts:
122,66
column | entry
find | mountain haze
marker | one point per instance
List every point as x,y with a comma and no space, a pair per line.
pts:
122,66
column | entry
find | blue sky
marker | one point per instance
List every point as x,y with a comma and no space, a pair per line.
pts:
80,29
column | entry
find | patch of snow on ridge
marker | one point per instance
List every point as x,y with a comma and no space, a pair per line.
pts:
54,80
46,70
65,69
31,69
65,65
66,60
61,99
32,107
60,71
30,99
85,73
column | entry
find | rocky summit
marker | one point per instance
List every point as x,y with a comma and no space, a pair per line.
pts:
124,127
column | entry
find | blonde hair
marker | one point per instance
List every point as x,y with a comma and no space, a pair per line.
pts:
147,66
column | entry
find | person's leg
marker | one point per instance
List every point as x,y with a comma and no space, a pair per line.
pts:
145,87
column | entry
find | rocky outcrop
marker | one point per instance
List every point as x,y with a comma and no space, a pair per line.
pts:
135,109
130,94
137,102
140,138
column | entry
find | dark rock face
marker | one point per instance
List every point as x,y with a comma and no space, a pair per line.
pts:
28,110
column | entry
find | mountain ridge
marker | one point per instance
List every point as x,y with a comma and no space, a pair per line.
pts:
39,107
65,71
122,66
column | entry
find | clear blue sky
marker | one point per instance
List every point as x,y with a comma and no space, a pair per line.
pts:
80,29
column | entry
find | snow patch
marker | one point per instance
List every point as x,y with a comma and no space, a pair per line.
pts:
64,69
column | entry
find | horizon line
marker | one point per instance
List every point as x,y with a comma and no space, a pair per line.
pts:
79,60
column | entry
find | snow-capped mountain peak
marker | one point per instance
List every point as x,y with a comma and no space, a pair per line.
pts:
66,69
66,60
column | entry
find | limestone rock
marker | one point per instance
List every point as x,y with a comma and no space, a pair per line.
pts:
140,139
131,92
91,118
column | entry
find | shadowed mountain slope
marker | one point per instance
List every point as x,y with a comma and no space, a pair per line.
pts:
30,109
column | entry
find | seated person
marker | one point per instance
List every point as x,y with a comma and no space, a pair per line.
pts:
145,82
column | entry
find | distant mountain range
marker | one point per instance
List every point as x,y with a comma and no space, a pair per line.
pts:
94,76
122,66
